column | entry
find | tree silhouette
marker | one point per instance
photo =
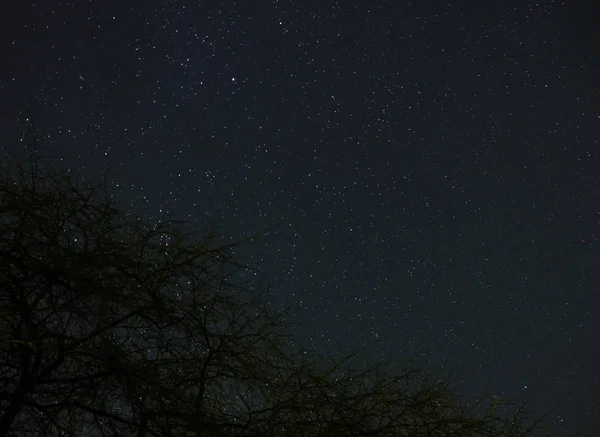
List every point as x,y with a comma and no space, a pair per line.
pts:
116,326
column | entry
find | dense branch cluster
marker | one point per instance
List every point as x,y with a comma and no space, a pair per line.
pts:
112,326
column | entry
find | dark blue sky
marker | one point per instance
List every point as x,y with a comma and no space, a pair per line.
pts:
425,174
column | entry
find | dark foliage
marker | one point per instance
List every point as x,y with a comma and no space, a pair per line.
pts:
115,326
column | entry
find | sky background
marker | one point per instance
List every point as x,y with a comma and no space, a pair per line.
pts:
425,174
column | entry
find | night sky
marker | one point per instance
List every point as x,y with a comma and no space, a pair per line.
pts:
423,174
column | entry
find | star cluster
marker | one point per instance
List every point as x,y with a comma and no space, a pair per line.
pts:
422,174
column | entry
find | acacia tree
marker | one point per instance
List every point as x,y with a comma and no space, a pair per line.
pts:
116,326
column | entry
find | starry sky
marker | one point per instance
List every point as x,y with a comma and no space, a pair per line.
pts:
423,174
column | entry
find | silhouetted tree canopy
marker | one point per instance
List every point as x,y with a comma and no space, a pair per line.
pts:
112,325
